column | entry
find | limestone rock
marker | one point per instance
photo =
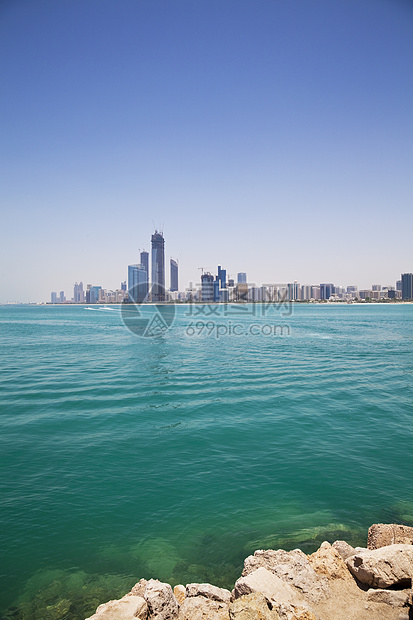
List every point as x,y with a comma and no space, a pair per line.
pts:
293,567
202,608
344,549
162,605
395,598
302,614
139,588
180,593
328,562
126,608
384,567
208,591
383,534
252,607
279,594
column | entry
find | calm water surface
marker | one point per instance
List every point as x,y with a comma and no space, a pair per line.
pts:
175,457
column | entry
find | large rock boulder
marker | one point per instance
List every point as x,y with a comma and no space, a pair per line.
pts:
162,604
208,591
384,567
293,567
202,608
252,607
139,588
344,549
286,600
328,562
180,593
395,598
127,608
384,534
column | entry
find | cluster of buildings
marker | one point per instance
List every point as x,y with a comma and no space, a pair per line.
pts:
146,282
218,289
91,295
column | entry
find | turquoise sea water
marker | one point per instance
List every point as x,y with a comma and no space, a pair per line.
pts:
175,457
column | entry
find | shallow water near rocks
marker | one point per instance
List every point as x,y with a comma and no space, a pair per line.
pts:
175,457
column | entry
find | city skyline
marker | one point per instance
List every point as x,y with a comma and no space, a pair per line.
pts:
218,289
147,283
284,149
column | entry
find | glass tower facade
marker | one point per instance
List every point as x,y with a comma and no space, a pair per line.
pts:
158,267
174,275
407,285
137,283
145,265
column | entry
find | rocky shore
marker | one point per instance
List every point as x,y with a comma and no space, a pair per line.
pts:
337,582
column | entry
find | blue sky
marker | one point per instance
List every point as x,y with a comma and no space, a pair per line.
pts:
269,136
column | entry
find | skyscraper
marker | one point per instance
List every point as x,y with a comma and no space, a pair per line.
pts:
158,267
407,285
207,287
145,260
137,283
174,275
326,290
78,293
94,293
222,277
242,278
145,265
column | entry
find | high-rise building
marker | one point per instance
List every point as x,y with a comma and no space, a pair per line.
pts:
62,297
326,290
315,292
145,264
137,283
216,289
241,292
53,298
207,287
158,267
242,278
78,293
222,277
399,285
293,291
145,260
174,275
94,294
407,285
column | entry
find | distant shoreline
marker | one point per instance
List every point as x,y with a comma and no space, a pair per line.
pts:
219,303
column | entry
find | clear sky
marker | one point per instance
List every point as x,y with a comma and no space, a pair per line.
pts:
269,136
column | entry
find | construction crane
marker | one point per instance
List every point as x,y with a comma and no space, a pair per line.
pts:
202,269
